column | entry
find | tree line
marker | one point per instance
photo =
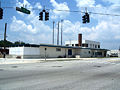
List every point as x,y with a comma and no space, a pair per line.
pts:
9,43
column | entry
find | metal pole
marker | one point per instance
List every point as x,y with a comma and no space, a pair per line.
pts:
5,40
58,35
53,32
61,31
45,53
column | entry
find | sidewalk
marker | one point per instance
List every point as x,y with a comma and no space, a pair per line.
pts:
20,61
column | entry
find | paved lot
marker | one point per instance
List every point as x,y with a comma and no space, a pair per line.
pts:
95,74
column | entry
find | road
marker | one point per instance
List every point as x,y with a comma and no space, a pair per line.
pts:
98,74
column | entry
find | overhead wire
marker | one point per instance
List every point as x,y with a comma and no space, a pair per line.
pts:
74,11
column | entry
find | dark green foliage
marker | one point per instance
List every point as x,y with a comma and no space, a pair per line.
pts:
8,43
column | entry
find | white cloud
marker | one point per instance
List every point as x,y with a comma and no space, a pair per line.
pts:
112,1
104,31
37,5
30,28
17,25
85,3
61,6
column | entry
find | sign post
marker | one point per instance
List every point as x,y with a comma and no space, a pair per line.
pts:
45,53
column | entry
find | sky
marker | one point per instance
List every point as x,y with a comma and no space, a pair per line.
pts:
28,28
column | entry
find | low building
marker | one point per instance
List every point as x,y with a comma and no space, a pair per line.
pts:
72,49
53,51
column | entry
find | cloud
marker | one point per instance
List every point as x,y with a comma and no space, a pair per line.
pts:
85,3
37,5
104,32
112,1
61,6
30,28
17,25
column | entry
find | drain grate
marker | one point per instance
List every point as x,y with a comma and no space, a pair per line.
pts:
56,66
14,66
1,69
97,66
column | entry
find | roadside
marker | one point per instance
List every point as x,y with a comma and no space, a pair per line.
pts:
20,61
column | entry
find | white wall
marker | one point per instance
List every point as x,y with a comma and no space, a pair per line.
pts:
31,51
39,52
51,52
69,43
16,50
91,44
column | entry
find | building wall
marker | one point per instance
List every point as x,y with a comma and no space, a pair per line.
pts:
83,52
92,44
24,52
16,50
71,43
31,51
119,53
90,53
53,52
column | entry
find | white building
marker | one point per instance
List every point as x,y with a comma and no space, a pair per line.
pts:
53,51
83,43
72,49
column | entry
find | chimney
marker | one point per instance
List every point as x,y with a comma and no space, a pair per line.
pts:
79,39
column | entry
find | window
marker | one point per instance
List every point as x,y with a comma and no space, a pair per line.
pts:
58,49
98,46
72,44
89,52
67,44
76,44
95,46
84,45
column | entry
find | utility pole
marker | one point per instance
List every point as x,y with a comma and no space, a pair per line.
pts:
61,31
53,31
58,35
5,40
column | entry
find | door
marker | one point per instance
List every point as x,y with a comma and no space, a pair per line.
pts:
69,51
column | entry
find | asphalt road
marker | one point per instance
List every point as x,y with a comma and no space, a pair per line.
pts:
99,74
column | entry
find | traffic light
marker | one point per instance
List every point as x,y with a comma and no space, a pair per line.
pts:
87,17
41,16
46,16
1,13
84,19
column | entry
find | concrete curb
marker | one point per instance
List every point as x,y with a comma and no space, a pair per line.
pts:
20,61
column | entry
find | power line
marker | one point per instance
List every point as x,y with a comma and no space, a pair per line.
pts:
89,12
74,11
